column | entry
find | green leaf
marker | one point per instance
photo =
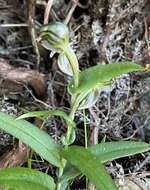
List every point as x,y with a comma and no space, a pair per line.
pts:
108,151
88,164
25,179
69,174
31,135
97,76
112,150
60,113
49,113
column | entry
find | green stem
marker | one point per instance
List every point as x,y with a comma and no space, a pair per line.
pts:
68,135
61,170
74,64
85,130
74,106
75,101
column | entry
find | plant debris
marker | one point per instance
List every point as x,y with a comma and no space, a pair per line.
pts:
13,80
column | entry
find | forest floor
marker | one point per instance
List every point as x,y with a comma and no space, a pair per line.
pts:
101,32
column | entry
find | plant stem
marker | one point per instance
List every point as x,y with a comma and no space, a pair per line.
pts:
74,64
75,102
85,130
68,135
76,99
61,170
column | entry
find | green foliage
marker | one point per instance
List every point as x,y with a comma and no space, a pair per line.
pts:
34,137
70,123
40,114
70,173
99,75
90,166
107,151
71,160
25,179
96,77
112,150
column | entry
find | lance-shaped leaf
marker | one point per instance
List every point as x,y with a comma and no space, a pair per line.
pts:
34,137
90,166
97,76
40,114
70,123
106,152
112,150
25,179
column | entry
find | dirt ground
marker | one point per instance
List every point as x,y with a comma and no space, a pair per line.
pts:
101,32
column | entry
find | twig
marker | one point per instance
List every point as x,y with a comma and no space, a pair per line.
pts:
14,25
124,13
47,11
94,133
34,42
31,16
69,15
41,2
80,5
75,4
37,100
52,12
146,35
146,161
138,129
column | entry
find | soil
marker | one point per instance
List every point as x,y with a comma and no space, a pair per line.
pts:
101,32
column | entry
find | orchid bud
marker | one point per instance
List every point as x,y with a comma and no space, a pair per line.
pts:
56,34
55,37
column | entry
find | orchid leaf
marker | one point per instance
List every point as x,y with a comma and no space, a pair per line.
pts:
112,150
97,76
25,179
34,137
44,114
90,166
107,151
